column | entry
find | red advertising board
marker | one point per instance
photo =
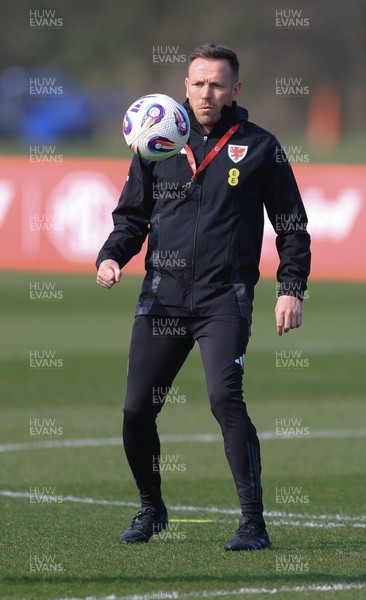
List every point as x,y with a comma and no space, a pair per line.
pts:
54,216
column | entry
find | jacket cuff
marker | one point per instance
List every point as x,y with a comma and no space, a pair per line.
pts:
108,257
291,288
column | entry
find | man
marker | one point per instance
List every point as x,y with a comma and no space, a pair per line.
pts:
215,228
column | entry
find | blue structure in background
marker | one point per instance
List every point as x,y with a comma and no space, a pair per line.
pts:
39,106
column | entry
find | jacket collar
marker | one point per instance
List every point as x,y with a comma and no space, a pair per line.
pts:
229,116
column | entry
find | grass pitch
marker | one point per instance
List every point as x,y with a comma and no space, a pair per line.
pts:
66,489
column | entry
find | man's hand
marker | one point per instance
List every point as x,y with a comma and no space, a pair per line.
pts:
109,273
288,313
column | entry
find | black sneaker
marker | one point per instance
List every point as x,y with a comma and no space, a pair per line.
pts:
148,521
250,535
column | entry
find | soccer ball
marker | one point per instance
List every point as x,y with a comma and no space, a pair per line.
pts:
156,127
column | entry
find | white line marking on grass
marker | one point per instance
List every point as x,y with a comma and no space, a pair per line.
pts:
74,499
166,438
85,443
279,518
336,517
331,587
312,524
320,433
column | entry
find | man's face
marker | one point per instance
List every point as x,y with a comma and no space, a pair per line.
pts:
209,86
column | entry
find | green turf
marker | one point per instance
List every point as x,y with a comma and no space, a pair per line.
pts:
89,329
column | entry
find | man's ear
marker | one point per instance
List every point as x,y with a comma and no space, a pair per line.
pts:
186,84
236,90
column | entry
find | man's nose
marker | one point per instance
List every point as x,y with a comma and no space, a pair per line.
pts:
206,91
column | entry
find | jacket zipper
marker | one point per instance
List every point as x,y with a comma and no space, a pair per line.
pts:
205,139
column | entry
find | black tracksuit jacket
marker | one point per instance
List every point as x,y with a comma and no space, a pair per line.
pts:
204,239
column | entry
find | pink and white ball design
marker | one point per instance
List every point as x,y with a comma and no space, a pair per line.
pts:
156,127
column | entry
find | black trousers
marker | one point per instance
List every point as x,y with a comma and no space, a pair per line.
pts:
159,347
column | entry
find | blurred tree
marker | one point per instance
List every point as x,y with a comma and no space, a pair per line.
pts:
109,44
